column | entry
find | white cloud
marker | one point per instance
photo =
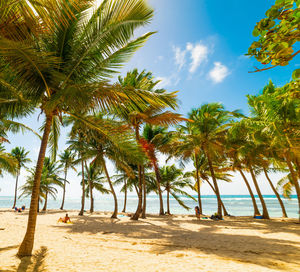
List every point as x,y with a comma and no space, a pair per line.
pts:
179,57
164,82
218,73
172,80
199,53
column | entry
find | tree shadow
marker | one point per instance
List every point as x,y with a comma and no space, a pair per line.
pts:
8,248
169,234
35,263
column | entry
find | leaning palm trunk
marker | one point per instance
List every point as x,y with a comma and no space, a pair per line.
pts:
125,196
198,186
46,201
284,214
16,190
145,193
223,206
27,243
215,184
64,191
115,213
262,201
83,189
256,211
294,178
157,175
140,195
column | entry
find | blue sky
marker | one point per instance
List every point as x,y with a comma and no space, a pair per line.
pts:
199,51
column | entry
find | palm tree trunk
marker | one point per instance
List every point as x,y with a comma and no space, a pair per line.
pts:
215,184
45,204
140,195
256,211
198,185
284,214
157,175
262,201
125,196
145,193
16,189
168,202
27,243
64,191
294,178
91,190
115,213
83,188
223,206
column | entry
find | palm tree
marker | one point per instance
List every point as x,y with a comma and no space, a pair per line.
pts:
66,159
275,114
207,133
235,139
7,162
20,155
129,181
150,115
63,67
93,179
174,181
154,138
49,180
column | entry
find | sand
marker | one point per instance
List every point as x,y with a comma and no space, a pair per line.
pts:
174,243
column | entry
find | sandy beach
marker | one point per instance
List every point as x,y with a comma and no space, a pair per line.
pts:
174,243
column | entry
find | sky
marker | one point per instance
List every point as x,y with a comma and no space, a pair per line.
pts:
198,50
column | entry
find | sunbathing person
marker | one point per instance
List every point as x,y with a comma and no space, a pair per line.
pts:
66,219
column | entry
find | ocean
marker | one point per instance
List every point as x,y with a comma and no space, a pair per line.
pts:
238,205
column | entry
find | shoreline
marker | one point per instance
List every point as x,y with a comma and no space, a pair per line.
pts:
95,242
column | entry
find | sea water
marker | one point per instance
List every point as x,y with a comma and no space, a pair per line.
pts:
238,205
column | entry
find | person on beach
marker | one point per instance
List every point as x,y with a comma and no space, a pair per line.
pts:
23,207
66,219
197,211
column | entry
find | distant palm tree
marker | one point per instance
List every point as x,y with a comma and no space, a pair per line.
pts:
94,179
67,160
20,155
174,181
50,178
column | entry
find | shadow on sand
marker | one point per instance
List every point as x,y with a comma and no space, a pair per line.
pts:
166,235
34,263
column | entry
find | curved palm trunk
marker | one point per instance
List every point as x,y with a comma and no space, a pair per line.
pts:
83,189
284,214
46,201
294,178
256,211
223,206
198,186
140,195
27,243
262,201
215,184
64,191
115,213
125,196
16,190
145,193
157,175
